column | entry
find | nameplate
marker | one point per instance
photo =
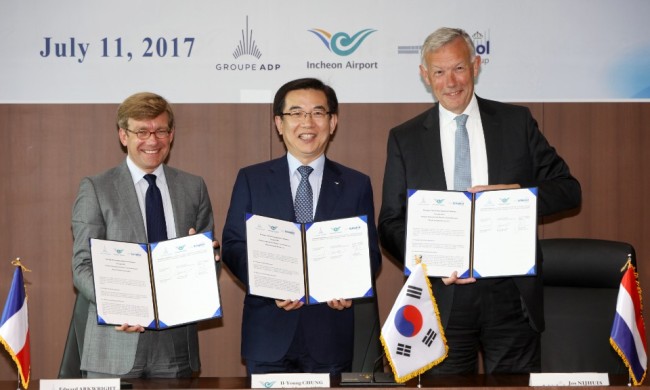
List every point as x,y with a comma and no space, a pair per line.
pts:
80,384
569,379
289,381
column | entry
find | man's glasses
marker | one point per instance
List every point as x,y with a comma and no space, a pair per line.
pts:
299,115
145,134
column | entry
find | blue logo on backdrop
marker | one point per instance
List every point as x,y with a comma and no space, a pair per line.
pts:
341,43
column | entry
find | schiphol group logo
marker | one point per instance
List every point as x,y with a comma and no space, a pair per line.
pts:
481,44
246,55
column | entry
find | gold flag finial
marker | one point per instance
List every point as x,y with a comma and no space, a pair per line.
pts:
18,263
628,263
418,259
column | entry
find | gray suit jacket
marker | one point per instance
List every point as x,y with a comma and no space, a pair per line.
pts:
107,207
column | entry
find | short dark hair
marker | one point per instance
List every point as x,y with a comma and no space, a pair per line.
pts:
306,83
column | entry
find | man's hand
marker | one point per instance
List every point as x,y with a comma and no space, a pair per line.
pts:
215,244
454,279
288,304
340,304
130,328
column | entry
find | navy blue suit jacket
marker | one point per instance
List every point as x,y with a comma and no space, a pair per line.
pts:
265,189
517,153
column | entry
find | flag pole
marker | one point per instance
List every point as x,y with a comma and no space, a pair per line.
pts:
419,381
18,375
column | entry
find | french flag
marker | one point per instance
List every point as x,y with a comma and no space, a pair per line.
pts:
628,331
14,327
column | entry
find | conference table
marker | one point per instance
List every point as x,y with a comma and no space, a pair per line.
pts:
492,382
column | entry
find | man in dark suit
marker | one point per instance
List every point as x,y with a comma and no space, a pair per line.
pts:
111,206
284,335
501,317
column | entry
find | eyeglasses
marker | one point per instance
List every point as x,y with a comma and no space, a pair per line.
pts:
315,115
145,134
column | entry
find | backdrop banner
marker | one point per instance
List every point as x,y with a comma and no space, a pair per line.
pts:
207,51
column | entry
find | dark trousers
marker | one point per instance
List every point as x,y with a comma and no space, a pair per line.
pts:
489,316
297,360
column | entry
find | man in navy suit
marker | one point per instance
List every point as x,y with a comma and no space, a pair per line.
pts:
501,317
285,335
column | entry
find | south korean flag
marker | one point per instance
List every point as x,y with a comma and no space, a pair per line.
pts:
412,335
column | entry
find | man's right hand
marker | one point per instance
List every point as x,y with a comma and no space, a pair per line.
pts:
288,304
454,279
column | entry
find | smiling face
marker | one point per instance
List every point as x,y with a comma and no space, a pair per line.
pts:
147,154
306,138
450,72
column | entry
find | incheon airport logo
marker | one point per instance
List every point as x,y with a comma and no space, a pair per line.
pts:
245,54
341,43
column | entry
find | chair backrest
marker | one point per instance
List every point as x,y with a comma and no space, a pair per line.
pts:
581,282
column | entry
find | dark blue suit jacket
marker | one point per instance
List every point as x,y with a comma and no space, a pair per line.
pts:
517,152
265,189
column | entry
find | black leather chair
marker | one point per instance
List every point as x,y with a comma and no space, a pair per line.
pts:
367,347
581,283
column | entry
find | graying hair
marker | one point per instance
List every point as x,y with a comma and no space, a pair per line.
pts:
443,36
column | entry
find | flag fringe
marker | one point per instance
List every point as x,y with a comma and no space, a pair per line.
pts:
24,380
627,363
421,370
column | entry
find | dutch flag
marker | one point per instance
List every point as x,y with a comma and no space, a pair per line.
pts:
628,331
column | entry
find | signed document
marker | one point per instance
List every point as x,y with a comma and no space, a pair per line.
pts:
313,262
159,285
487,234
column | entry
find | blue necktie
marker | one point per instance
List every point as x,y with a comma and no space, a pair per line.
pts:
304,202
156,226
462,160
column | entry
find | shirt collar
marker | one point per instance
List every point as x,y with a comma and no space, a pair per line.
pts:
447,116
317,164
137,174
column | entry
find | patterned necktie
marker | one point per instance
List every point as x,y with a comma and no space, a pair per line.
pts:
463,160
156,226
304,203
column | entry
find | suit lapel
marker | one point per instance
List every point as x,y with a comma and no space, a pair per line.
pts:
176,194
330,191
278,189
430,152
494,141
128,199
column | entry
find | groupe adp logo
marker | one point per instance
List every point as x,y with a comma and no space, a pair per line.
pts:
341,43
246,55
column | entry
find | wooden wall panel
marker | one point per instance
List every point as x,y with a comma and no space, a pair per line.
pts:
606,146
47,149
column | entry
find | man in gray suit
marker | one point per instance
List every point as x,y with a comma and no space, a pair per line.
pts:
111,206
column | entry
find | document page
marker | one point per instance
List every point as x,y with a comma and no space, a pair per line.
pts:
122,283
275,258
338,259
438,231
505,232
185,280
